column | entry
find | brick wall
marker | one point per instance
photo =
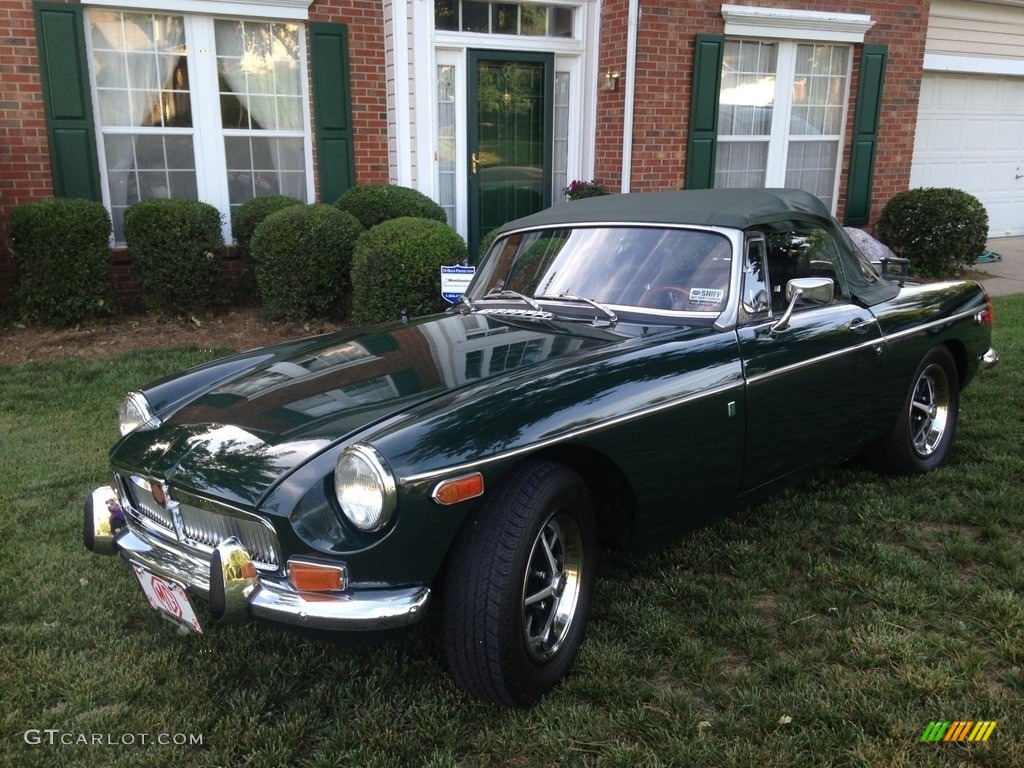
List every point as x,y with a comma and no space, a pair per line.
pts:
663,88
24,153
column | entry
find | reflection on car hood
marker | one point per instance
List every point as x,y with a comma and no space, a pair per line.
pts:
239,437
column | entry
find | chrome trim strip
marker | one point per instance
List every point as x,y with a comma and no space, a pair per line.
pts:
934,323
275,599
881,341
469,466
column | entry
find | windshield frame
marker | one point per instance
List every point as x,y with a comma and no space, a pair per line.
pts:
484,281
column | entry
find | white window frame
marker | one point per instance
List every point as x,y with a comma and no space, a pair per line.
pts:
788,29
208,135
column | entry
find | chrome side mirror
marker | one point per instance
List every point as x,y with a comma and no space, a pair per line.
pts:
819,290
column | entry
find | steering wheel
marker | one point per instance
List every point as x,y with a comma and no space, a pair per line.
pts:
667,296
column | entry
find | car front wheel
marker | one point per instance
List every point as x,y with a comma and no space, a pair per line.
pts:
520,585
922,436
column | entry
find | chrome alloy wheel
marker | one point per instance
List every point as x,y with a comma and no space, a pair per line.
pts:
552,586
929,410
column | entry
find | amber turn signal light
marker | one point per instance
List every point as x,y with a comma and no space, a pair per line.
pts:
459,489
315,577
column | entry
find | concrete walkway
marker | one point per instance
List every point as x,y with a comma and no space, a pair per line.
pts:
1005,277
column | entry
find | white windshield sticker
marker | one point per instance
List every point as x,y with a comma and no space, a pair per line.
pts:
706,295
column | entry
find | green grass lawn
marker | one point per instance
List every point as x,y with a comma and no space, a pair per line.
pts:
826,627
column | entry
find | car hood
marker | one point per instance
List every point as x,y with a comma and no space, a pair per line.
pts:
245,425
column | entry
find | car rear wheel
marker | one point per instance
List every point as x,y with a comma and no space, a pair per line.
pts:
520,586
922,436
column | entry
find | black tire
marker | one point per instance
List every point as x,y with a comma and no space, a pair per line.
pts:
512,623
922,436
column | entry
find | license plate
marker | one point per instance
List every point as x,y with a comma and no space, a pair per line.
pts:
168,598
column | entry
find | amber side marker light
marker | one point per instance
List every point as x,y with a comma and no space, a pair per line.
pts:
459,489
314,577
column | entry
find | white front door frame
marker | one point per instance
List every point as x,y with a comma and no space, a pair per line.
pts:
416,137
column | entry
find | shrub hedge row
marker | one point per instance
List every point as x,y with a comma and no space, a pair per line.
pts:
384,243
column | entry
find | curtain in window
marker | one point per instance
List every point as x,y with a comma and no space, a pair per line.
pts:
259,66
142,83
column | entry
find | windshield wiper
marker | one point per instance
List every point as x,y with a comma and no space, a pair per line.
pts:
508,294
611,316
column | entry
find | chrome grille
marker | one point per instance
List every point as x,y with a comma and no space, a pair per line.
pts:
208,528
203,523
139,492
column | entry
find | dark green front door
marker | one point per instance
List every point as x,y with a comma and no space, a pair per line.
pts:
510,125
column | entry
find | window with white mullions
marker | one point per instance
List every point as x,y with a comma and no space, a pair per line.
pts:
175,92
782,110
259,66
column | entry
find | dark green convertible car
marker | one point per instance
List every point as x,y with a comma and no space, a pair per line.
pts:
621,369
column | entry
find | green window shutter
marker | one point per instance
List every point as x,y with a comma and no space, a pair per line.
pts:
703,138
332,109
70,131
865,134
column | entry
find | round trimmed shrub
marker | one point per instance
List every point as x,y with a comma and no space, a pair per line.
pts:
397,266
374,203
249,215
61,249
940,230
302,256
177,247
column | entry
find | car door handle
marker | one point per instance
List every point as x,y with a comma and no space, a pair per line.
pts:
861,325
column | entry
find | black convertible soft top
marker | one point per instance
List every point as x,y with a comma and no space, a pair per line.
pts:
734,208
772,210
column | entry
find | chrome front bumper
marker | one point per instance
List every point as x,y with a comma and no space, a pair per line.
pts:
990,359
236,590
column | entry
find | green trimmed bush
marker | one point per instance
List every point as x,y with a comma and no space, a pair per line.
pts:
246,217
397,266
61,249
301,257
940,230
374,203
176,246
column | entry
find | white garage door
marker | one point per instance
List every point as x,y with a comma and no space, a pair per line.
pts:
970,135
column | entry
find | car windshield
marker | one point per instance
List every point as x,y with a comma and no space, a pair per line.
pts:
652,268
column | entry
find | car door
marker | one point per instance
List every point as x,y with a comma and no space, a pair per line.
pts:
810,380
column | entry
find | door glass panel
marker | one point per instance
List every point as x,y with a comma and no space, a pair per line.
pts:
510,140
560,148
446,127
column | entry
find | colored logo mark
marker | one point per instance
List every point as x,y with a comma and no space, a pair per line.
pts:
958,730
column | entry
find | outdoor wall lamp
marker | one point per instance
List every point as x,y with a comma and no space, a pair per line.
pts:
611,80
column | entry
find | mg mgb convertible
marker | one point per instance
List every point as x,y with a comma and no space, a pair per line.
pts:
620,370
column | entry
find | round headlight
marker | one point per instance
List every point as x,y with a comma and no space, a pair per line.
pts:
365,487
135,412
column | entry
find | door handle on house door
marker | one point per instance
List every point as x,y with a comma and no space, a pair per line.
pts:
476,161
